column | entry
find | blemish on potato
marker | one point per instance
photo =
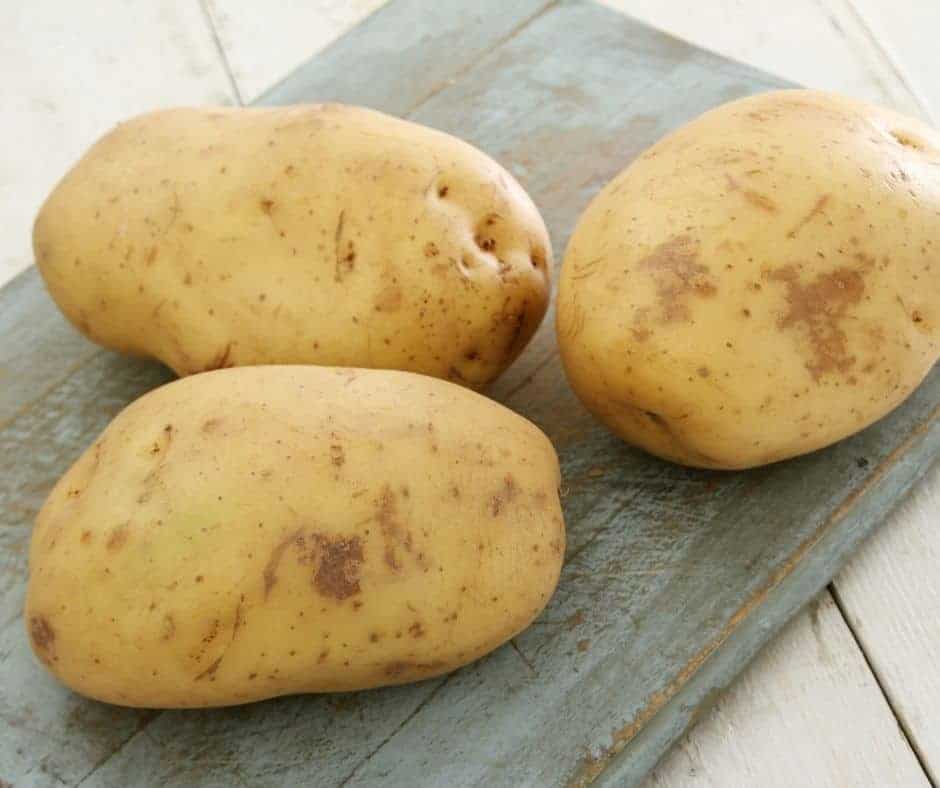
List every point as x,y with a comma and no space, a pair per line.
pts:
817,210
42,636
393,532
401,667
504,496
118,538
337,574
210,425
677,275
819,307
169,627
389,299
703,372
337,455
345,254
416,630
209,672
269,575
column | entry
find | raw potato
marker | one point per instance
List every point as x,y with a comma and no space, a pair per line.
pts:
262,531
316,234
761,283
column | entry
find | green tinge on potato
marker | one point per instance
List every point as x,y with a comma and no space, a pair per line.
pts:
261,531
760,283
316,234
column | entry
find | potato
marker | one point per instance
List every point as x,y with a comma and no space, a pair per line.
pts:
318,234
261,531
759,284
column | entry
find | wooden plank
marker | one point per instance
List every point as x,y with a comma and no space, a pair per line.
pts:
650,543
819,45
127,59
405,52
760,733
264,41
890,593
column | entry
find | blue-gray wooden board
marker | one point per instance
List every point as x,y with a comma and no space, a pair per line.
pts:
674,578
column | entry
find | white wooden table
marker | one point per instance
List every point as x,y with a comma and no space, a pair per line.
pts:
849,693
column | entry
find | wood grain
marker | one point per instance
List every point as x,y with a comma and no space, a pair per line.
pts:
821,45
264,41
890,592
847,736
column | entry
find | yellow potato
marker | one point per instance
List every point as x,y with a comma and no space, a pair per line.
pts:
317,234
262,531
760,283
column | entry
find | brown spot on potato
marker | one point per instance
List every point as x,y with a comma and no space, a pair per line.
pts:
42,636
151,255
337,455
819,307
416,630
703,372
118,538
267,206
442,191
211,425
677,275
431,250
86,537
817,210
402,667
504,496
337,574
389,299
169,627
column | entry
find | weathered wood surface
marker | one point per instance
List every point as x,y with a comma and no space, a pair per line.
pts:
674,578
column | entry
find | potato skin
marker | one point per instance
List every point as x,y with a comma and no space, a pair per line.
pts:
759,284
262,531
313,234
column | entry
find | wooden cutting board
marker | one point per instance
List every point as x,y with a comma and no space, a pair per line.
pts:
674,578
